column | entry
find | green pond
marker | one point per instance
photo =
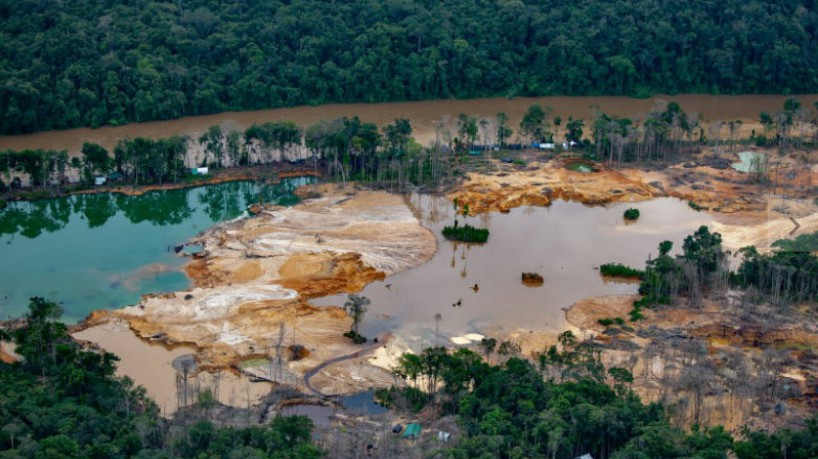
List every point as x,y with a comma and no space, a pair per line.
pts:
750,161
102,251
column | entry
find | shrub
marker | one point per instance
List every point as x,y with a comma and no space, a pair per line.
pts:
3,204
620,270
632,214
695,206
356,337
466,233
409,398
606,322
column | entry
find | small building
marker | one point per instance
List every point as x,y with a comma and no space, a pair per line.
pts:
585,456
115,176
100,180
412,431
199,171
546,146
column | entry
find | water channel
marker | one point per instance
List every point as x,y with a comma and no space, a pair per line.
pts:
424,115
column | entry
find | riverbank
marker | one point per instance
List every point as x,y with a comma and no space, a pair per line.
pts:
430,119
265,173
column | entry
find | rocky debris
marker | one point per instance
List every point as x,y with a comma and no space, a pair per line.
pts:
532,279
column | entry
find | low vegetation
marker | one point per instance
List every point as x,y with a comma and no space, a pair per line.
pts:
620,270
632,214
607,321
466,233
695,206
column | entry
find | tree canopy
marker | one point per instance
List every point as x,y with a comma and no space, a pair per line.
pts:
92,63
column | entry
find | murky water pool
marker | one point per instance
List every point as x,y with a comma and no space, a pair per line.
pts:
477,287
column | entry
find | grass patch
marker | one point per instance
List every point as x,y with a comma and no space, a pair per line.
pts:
620,270
466,233
632,214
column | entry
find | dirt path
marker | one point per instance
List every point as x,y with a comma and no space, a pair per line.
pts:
359,353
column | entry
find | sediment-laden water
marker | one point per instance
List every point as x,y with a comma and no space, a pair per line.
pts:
426,116
478,287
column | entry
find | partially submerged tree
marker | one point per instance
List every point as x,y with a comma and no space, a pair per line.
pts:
356,307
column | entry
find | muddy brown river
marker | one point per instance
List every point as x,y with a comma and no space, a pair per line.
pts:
425,115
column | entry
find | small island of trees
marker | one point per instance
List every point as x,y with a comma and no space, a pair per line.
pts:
632,214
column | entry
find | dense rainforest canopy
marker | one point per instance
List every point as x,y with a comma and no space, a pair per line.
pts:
83,62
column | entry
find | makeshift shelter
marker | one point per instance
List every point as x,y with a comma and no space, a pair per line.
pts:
412,431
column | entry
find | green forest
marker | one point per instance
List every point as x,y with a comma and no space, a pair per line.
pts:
94,63
65,402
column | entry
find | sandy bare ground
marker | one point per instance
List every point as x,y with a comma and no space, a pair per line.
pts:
249,306
746,213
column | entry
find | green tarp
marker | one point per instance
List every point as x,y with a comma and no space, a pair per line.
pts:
412,431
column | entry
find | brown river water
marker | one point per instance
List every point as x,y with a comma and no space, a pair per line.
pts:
425,115
151,366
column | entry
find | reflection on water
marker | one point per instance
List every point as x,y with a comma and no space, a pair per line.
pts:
105,250
474,287
362,403
151,366
318,414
